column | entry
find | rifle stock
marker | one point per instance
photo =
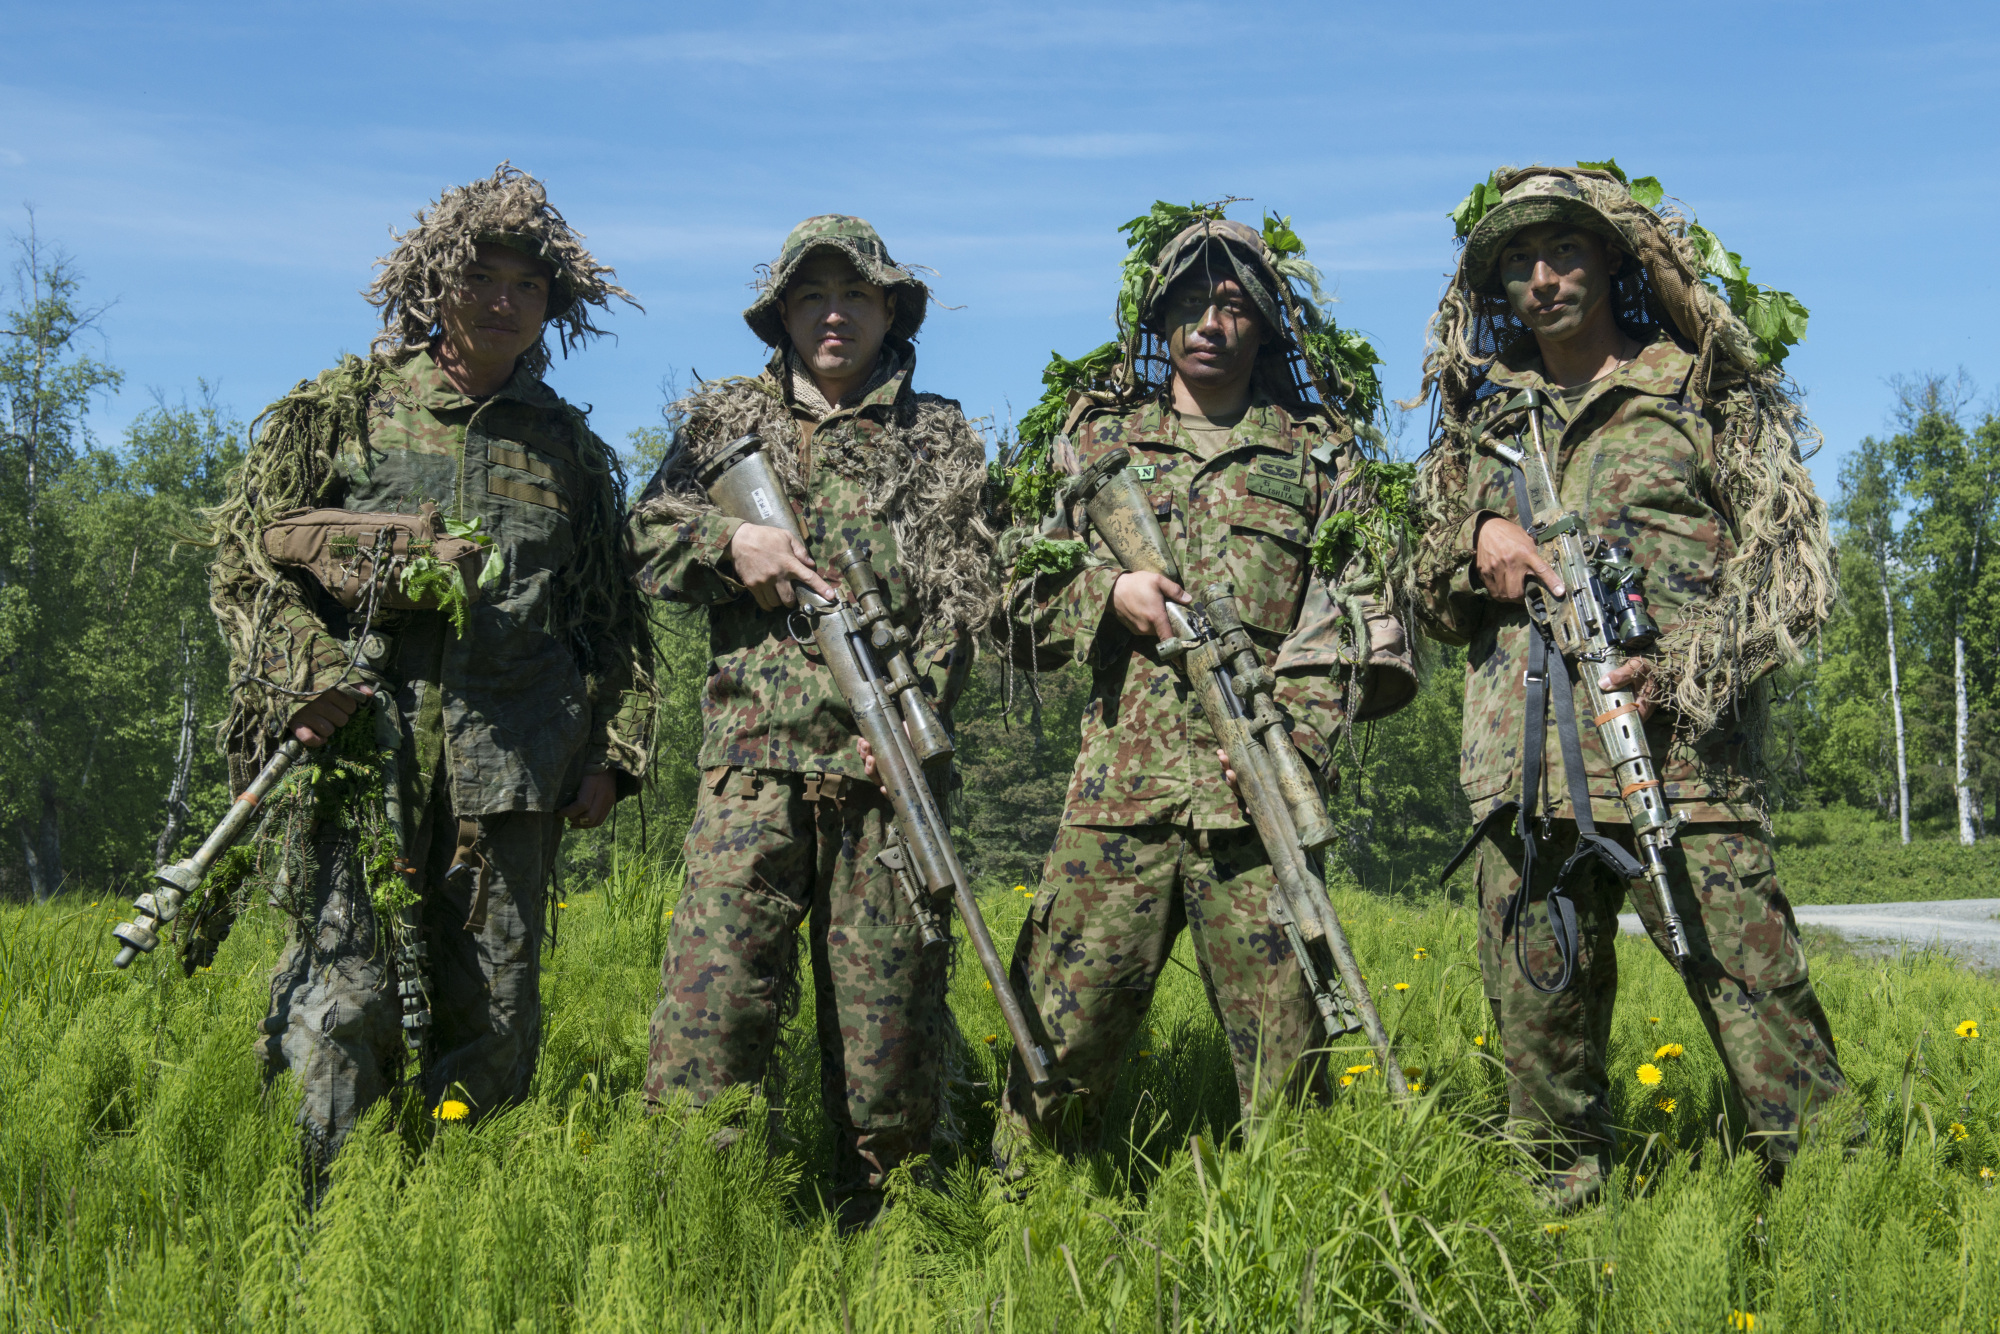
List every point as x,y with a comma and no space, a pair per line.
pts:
1224,665
892,715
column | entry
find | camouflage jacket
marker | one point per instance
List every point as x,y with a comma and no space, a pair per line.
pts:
512,712
898,476
1639,466
1245,514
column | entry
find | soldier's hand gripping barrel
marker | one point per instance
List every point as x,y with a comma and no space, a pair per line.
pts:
1227,672
869,659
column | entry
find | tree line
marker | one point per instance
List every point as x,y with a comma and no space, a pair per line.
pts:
114,672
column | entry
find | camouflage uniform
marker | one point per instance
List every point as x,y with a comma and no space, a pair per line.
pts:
501,724
1636,458
786,826
1152,839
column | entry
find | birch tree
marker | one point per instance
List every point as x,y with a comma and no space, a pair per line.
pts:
1867,508
1951,476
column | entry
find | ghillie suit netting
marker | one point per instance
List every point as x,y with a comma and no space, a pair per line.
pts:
1778,587
509,208
924,475
264,612
1308,366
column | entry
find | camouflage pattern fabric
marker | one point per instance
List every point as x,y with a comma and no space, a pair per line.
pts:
1748,982
1111,905
767,853
1244,514
335,1018
770,703
863,246
505,709
1640,468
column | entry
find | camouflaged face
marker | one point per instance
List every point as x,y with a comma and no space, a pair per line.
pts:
855,239
1218,248
1639,466
1748,980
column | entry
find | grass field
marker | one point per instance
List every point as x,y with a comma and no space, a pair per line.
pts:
148,1180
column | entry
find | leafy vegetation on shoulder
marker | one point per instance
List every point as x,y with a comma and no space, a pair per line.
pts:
1380,530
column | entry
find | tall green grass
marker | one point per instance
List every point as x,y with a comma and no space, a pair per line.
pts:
148,1180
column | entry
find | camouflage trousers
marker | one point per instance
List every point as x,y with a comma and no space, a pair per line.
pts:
335,1017
1747,980
768,852
1112,903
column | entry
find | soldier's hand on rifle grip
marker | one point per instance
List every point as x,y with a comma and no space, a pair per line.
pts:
1140,597
1634,674
320,717
769,561
1505,558
868,765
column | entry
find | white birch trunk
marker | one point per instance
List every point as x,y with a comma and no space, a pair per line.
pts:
1896,705
1968,800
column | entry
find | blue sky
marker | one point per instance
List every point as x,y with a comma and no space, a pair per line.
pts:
226,175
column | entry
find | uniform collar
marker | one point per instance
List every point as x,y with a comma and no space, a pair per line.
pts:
1660,369
1264,418
431,389
885,384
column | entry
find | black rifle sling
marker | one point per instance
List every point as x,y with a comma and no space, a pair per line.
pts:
1590,844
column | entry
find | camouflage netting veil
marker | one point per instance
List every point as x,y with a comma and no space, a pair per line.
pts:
1778,588
509,208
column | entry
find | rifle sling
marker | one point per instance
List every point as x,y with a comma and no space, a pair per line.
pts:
1591,845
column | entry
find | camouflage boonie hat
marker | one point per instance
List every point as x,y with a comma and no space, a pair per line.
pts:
856,240
1537,200
1249,264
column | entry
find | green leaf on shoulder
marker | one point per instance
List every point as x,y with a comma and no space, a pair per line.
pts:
1046,555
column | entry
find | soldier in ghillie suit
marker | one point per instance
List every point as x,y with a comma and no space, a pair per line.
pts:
1672,432
788,823
1242,436
531,705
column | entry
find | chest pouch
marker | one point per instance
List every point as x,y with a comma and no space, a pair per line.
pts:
416,565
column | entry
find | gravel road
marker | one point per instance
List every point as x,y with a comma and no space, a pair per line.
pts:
1968,928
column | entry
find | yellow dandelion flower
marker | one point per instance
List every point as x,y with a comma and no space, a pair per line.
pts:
451,1109
1402,986
1652,1019
1346,1081
561,904
992,1038
989,986
1666,1105
670,912
1649,1074
1742,1320
1359,1069
1421,955
1479,1041
1020,889
94,903
1641,1180
1986,1174
1968,1029
1958,1131
1416,1086
1673,1051
1555,1229
1145,1053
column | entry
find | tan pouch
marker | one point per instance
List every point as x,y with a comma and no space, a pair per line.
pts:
341,548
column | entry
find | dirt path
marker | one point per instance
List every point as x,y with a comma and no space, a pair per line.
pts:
1967,928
